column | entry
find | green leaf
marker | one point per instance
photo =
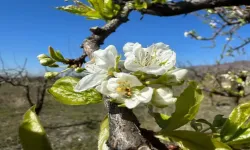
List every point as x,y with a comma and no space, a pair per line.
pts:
102,9
189,140
219,121
77,10
140,5
235,122
159,1
241,139
187,106
103,134
63,91
56,55
31,132
161,119
220,146
93,15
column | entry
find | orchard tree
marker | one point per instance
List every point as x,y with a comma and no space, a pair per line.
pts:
147,77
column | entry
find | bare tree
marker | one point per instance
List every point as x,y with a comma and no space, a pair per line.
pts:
214,83
19,77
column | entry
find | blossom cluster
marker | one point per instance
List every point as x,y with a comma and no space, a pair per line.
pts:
240,79
147,75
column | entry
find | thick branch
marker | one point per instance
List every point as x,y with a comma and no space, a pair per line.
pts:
188,6
125,132
93,42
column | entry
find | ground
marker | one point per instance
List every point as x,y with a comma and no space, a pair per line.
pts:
71,127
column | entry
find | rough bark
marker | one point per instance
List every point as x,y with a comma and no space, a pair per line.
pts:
188,6
125,131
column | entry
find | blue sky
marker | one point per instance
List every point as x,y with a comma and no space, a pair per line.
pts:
28,27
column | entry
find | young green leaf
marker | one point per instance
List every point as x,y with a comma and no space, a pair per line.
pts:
77,10
100,9
219,121
220,146
31,132
235,122
103,134
63,91
161,119
140,5
187,106
56,55
189,140
241,139
159,1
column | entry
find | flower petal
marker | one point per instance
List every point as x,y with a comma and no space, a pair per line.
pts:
113,84
144,96
103,88
105,58
129,47
163,97
131,103
179,73
89,81
130,64
93,68
125,77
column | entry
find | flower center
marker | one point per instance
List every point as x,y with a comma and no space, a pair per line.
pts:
149,59
124,89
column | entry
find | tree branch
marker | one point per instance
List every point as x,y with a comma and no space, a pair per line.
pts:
125,132
188,6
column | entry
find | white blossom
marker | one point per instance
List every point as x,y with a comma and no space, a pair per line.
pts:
156,59
213,24
226,85
186,34
124,89
98,67
199,37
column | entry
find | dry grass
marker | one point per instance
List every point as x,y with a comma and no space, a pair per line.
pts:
72,127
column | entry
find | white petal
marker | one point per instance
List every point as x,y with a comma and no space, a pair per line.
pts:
93,68
130,64
116,96
163,97
89,81
179,73
103,88
168,58
131,103
129,47
144,96
113,84
156,70
105,58
132,80
160,46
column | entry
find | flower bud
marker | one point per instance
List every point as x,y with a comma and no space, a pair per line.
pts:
54,65
79,70
46,61
42,56
49,75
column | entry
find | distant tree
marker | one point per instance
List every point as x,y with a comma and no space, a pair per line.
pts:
19,77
